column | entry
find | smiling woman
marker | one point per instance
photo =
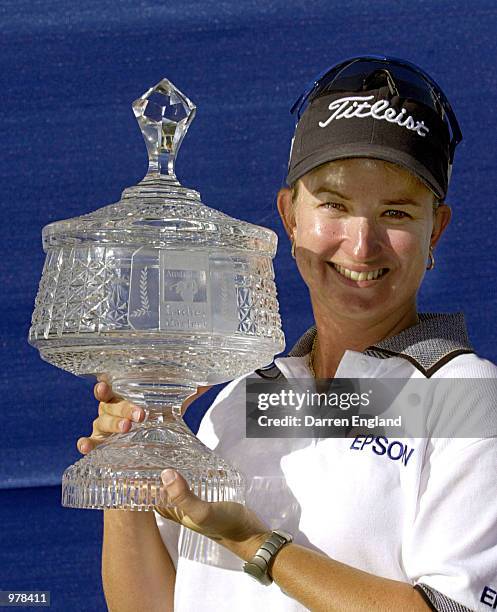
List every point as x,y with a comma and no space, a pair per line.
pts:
358,522
362,230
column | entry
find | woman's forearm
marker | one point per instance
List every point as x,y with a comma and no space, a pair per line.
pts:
322,584
137,571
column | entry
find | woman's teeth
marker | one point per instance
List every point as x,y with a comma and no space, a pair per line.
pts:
360,276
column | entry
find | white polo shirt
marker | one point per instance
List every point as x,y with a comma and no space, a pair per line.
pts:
430,520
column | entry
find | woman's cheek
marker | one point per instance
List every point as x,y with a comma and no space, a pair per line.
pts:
409,250
407,244
318,235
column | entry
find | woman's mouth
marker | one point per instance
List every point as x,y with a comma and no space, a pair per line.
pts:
368,276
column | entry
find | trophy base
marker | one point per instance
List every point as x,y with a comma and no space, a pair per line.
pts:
125,470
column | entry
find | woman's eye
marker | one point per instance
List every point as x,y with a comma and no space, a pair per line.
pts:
396,214
333,205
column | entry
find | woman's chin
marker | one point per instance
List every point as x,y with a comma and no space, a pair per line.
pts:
351,303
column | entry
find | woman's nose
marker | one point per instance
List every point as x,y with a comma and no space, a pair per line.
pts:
363,239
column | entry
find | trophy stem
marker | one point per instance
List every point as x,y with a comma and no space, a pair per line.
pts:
161,414
158,398
125,470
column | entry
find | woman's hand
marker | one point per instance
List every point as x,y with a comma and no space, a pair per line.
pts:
229,523
115,415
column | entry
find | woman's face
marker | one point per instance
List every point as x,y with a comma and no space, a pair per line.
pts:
362,231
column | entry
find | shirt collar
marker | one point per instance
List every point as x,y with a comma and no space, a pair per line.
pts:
428,345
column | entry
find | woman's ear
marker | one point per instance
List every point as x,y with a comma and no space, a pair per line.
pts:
286,208
442,218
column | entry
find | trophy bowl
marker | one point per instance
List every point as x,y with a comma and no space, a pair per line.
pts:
157,295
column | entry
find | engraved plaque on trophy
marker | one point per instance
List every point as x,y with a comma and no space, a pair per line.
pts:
156,294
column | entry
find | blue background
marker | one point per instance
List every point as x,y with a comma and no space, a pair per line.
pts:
70,144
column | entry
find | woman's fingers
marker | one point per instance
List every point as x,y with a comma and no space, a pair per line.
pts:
103,392
85,445
121,408
107,423
103,427
114,416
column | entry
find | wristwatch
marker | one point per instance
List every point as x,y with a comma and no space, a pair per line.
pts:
258,567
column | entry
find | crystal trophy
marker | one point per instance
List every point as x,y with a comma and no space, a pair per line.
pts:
157,295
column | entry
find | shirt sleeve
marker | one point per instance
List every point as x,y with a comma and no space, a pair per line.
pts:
450,550
438,601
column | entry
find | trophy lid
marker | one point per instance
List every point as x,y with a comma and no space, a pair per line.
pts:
159,211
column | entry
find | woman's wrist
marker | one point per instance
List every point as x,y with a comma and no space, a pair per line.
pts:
246,549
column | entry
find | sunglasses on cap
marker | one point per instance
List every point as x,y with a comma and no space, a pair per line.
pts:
403,78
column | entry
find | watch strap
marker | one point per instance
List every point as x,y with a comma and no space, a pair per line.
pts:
259,566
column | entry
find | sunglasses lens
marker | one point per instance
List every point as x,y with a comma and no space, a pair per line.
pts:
360,75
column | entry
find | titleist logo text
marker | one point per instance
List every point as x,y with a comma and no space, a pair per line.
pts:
358,106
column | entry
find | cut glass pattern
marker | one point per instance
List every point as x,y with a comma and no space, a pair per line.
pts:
156,294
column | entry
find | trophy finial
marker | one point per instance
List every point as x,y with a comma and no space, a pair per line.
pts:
164,115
